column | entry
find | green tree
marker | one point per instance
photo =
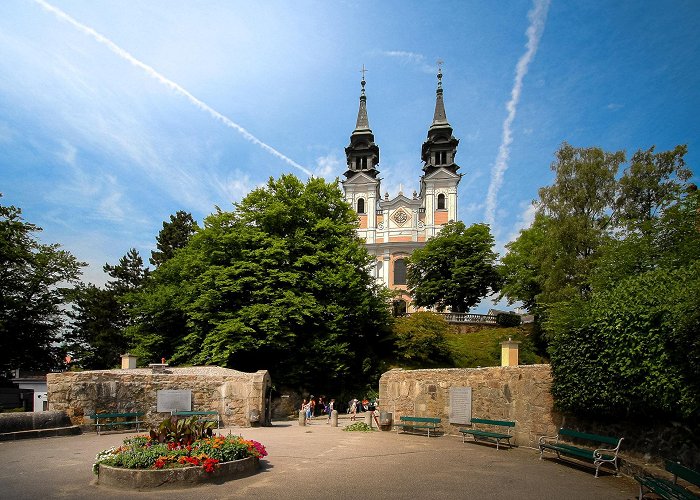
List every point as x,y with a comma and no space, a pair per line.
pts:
454,269
281,283
100,317
34,281
174,235
421,339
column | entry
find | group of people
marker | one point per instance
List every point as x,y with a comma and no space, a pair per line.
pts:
312,408
355,406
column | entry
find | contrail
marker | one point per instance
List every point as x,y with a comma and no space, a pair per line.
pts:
168,83
537,16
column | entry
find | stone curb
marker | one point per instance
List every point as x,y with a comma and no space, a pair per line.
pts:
40,433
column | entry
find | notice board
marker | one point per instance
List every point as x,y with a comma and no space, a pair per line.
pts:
460,405
174,400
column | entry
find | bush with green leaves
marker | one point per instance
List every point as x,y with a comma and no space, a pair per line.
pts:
420,339
508,319
358,427
632,350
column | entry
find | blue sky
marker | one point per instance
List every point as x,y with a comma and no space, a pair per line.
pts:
124,112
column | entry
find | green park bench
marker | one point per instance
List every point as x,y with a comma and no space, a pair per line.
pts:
207,416
117,419
410,424
489,435
598,456
666,488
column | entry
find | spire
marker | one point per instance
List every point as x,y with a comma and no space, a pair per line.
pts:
440,117
362,120
440,149
362,153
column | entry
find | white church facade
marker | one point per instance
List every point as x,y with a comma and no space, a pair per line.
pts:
394,227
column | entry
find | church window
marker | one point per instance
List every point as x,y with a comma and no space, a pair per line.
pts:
441,202
441,158
364,163
361,206
399,272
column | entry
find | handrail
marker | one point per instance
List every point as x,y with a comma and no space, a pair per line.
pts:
452,317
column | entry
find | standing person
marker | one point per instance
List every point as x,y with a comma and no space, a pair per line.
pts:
312,406
305,409
331,406
353,409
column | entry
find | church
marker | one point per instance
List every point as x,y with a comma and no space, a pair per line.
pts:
393,227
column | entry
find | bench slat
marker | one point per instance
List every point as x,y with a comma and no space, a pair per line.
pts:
503,423
589,437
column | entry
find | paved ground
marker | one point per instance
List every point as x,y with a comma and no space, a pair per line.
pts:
318,461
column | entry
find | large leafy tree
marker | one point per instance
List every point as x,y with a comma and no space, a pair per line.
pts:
421,339
35,279
100,316
455,269
281,283
174,235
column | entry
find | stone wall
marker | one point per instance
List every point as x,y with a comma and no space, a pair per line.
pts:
518,393
523,394
232,393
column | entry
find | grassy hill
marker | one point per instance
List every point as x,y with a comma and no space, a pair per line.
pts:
483,348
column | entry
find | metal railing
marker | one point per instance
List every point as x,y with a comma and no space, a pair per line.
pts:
451,317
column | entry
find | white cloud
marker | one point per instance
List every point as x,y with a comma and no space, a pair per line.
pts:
410,58
125,55
537,16
613,106
329,167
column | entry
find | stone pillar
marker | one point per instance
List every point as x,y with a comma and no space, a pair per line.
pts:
368,418
302,417
334,418
509,352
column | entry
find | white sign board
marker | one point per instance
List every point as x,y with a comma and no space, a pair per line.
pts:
174,400
460,405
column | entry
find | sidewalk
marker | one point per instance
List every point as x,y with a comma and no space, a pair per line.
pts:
319,461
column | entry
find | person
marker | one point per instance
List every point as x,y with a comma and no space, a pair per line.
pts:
312,406
353,409
304,408
331,406
365,404
375,412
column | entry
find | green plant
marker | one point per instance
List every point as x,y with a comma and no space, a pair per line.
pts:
508,319
358,427
182,431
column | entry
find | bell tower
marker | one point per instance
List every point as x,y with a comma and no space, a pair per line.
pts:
361,185
440,178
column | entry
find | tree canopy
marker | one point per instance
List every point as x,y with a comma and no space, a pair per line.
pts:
455,269
281,283
35,279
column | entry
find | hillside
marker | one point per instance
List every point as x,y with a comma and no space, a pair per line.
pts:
482,348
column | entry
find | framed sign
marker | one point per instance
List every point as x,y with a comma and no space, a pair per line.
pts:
174,400
460,405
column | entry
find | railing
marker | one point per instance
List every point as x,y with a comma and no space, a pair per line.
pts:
451,317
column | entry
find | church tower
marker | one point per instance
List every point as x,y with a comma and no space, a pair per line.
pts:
394,227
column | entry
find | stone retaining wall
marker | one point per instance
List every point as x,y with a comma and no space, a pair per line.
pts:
232,393
518,393
523,394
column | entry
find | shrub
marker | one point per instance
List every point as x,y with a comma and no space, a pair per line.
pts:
508,319
420,338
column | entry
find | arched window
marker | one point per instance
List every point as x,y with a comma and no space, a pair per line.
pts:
399,272
361,206
441,202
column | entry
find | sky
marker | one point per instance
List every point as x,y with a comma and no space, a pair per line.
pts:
116,114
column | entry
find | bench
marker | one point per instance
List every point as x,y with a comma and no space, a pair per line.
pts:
116,419
666,488
487,435
598,456
206,416
413,423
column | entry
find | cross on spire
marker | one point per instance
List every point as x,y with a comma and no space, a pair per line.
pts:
363,71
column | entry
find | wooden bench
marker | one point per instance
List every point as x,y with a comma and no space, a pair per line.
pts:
666,488
203,415
127,419
413,423
598,456
488,435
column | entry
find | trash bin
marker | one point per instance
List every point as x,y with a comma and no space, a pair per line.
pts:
385,419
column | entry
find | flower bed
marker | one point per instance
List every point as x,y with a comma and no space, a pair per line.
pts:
142,462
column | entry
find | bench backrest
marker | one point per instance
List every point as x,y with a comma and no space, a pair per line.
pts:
683,472
193,413
116,415
504,423
431,420
590,437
